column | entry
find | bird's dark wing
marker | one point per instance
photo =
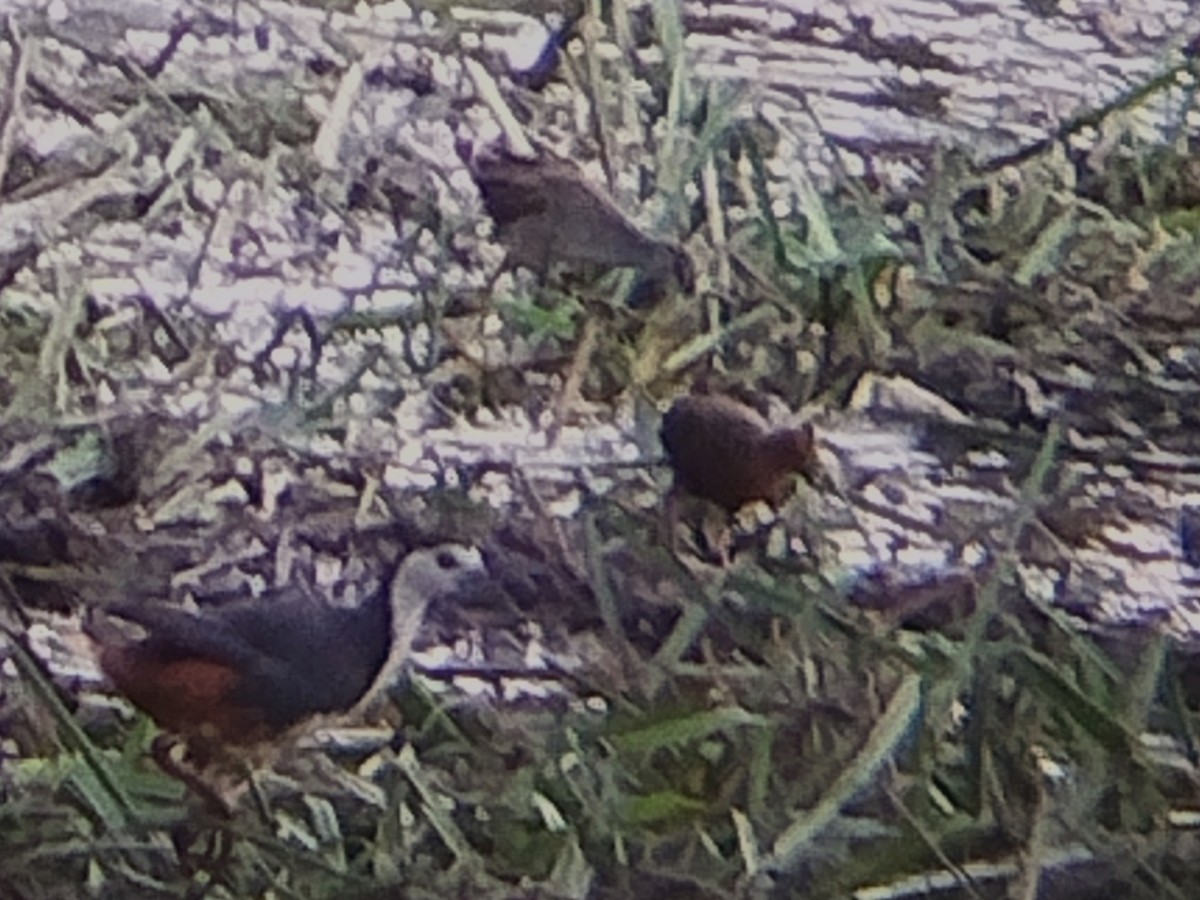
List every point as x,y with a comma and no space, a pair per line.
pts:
510,189
173,632
311,658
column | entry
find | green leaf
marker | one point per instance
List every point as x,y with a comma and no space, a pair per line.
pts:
681,730
661,806
1044,677
881,744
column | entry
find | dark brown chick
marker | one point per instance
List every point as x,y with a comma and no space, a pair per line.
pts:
725,452
547,212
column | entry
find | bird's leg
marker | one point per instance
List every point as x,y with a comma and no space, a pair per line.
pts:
669,523
722,544
712,547
165,751
572,385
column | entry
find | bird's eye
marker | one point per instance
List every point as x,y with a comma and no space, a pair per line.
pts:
447,560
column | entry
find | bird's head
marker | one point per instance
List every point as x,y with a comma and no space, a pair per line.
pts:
794,450
432,572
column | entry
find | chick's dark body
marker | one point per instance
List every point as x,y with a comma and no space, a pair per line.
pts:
546,212
725,452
